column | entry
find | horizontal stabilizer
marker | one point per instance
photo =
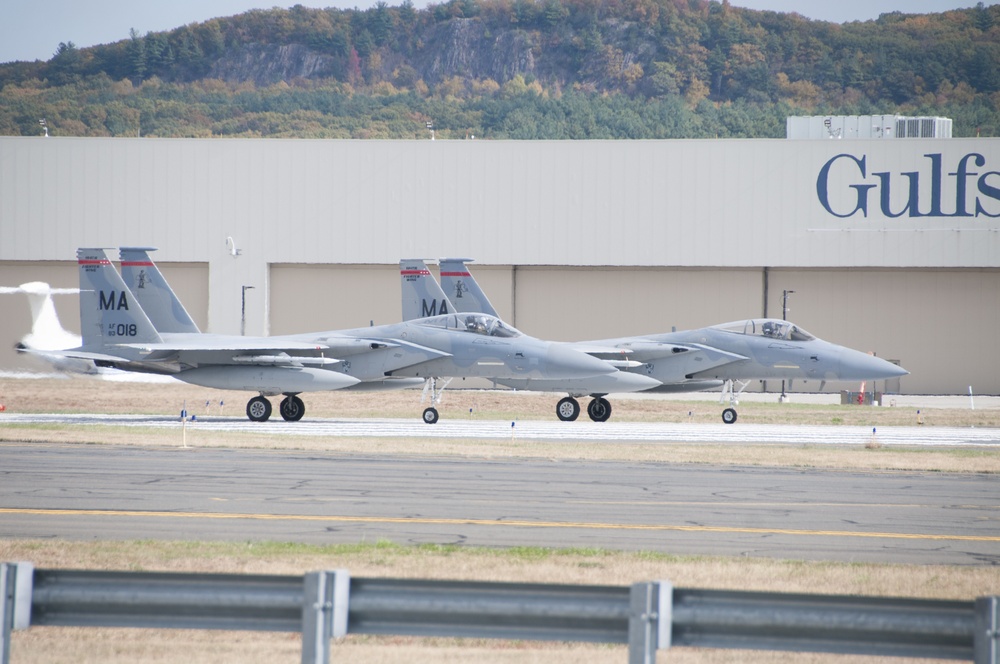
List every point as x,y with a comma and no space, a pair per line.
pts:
74,353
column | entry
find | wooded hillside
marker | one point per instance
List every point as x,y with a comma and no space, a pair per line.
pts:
513,69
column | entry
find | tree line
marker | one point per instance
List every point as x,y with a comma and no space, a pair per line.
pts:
513,69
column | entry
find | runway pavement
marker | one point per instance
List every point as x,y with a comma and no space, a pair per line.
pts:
581,430
100,492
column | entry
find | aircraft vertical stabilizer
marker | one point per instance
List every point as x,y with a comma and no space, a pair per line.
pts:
422,296
153,293
109,313
465,293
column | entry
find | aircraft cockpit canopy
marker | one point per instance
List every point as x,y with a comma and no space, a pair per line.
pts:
489,326
767,327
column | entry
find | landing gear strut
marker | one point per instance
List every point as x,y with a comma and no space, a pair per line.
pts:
292,408
431,390
258,409
729,414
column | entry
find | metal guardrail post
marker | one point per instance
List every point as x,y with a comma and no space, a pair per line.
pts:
15,602
8,581
649,624
325,607
986,642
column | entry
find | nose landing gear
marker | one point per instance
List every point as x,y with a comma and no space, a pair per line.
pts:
729,414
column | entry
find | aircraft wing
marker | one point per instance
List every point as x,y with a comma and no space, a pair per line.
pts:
667,362
208,349
380,356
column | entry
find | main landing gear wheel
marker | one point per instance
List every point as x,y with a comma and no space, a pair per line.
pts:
258,409
729,415
292,408
430,415
599,409
567,409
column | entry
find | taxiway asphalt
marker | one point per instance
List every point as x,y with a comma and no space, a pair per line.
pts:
50,490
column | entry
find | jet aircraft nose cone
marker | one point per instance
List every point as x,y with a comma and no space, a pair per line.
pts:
563,362
862,366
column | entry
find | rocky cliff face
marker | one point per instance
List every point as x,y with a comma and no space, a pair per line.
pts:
268,64
462,47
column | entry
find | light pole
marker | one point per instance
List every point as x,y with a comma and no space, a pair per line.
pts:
784,303
784,316
243,312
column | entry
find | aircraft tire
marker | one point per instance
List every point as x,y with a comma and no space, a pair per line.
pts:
568,409
430,416
729,415
292,409
599,409
258,409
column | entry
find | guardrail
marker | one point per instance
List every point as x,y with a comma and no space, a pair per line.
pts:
647,616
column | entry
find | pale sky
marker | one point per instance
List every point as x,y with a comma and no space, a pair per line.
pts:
32,29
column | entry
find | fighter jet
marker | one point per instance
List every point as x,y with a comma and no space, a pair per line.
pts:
167,313
118,333
422,295
726,354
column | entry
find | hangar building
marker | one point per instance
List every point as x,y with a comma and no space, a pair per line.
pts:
889,246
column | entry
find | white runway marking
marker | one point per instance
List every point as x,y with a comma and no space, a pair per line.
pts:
582,431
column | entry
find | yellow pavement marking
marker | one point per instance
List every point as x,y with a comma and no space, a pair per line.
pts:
493,522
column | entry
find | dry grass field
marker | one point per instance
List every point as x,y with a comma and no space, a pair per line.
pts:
78,645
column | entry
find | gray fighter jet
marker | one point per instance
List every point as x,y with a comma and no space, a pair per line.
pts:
116,332
423,295
167,314
727,354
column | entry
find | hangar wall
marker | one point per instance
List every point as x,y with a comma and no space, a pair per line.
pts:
614,237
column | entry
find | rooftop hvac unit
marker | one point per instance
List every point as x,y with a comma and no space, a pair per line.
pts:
866,127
